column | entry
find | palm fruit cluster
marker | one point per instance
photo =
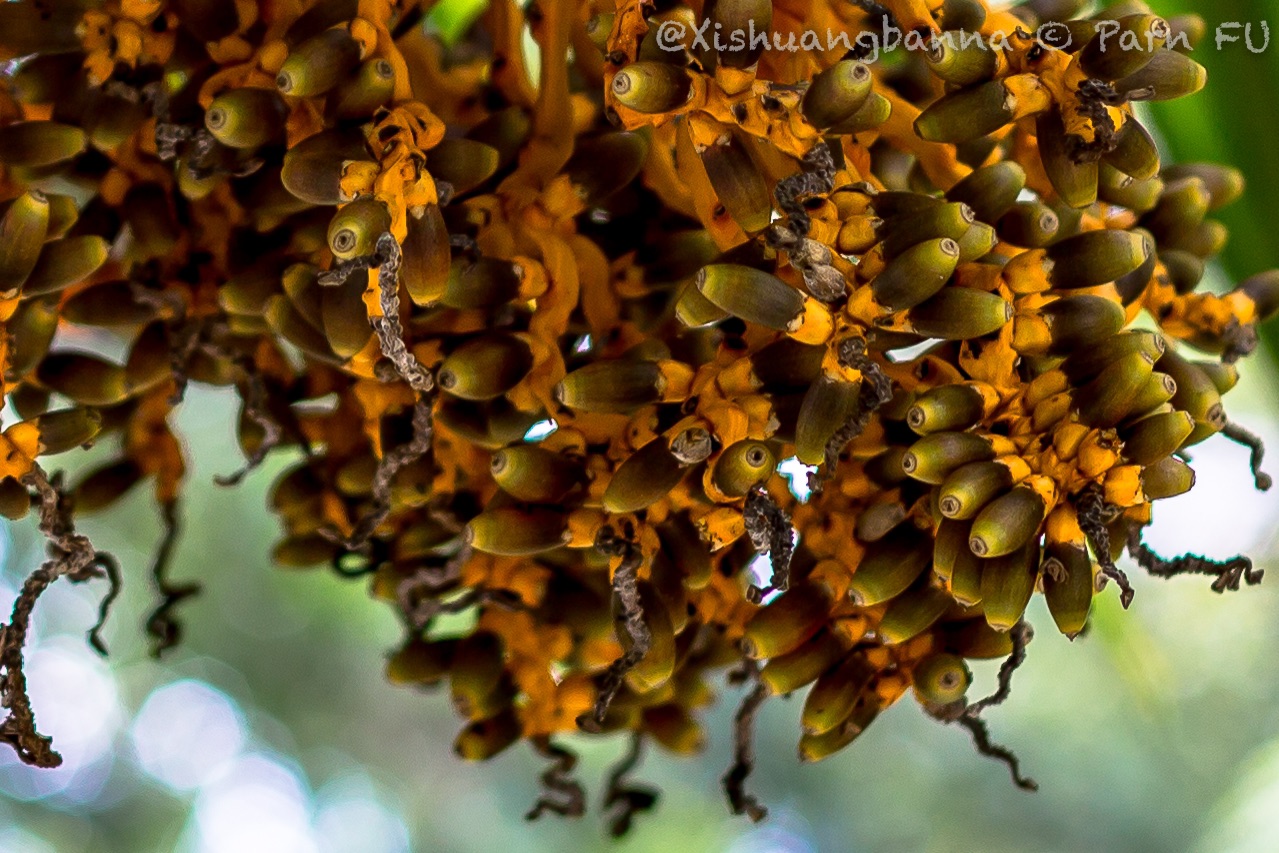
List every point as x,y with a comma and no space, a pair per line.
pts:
535,315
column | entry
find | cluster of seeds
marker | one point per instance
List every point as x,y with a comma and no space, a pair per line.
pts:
536,316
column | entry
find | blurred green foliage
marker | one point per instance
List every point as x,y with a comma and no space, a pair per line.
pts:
1234,120
1157,732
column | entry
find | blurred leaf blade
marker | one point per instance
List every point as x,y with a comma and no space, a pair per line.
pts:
1225,122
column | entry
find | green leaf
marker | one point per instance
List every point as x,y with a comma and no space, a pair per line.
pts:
1235,121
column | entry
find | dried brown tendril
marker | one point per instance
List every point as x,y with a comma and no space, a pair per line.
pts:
1227,573
770,531
623,801
1094,514
71,556
740,801
625,587
165,630
1256,449
563,795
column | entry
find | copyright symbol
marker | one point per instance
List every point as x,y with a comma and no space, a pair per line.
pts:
1053,34
670,35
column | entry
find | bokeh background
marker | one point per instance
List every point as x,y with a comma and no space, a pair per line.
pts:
272,727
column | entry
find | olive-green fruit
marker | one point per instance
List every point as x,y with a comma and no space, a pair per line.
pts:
1108,399
946,407
476,675
832,697
1007,582
1031,224
485,367
424,662
786,622
828,404
971,487
598,29
312,169
246,118
371,87
1151,439
1127,44
1085,364
906,231
318,64
426,261
1115,187
966,114
1182,207
880,519
743,465
1096,257
1167,478
355,229
515,532
1196,393
744,17
616,386
483,283
109,303
941,679
1156,391
65,262
463,164
950,539
818,747
67,428
1131,286
483,739
1184,270
1167,75
870,116
836,93
644,478
962,62
1080,321
531,473
303,551
33,144
738,183
31,330
787,673
932,458
15,500
1225,184
754,295
1135,152
1263,290
990,190
977,242
1068,586
1187,32
23,229
344,317
890,566
1075,182
86,379
965,577
1224,376
652,87
960,313
912,613
1006,523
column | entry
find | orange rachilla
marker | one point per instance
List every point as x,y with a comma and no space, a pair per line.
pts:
541,338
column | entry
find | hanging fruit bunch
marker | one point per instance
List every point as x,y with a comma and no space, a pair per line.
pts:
535,322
